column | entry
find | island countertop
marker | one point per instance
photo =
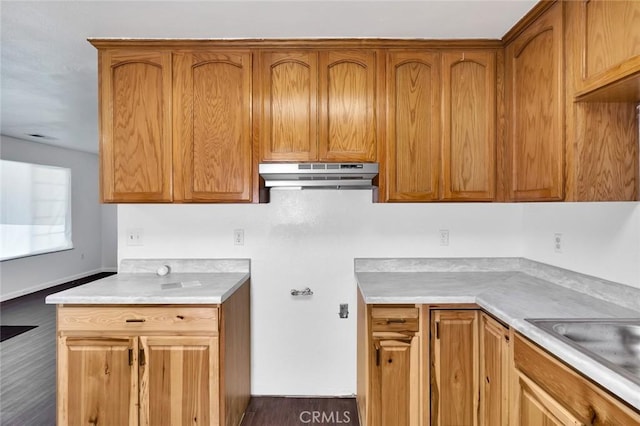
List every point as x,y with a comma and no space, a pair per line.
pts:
512,290
199,281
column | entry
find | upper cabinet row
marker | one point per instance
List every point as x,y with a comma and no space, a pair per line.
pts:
447,121
187,126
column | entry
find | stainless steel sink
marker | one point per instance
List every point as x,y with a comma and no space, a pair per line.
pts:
612,342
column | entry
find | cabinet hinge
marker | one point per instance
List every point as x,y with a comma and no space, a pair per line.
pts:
141,357
130,356
437,329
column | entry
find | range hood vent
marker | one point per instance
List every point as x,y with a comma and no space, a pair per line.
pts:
319,175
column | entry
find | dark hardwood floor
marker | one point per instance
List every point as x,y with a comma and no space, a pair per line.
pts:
280,411
28,375
28,361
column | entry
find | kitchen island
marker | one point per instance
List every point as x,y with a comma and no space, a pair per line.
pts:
164,341
472,299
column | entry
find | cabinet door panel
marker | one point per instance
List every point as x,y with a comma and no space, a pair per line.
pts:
395,366
537,408
494,376
536,103
469,116
611,34
178,381
98,386
289,93
454,391
135,128
413,95
347,87
213,126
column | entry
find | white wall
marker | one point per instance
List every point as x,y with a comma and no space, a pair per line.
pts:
109,237
600,239
310,238
25,275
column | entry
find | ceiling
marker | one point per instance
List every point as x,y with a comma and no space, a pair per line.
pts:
49,70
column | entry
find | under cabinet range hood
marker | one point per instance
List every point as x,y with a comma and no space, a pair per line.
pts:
318,175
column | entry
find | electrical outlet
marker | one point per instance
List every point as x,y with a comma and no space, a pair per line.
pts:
444,237
238,237
135,237
557,243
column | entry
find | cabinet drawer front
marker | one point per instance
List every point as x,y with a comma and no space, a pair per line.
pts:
136,319
394,319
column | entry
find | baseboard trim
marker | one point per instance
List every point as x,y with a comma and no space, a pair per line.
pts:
53,283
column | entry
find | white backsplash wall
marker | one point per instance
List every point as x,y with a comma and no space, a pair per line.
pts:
309,239
600,239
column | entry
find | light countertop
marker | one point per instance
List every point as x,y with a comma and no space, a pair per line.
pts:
203,281
506,289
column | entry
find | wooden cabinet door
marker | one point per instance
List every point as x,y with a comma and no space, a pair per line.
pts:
537,408
212,127
610,32
289,91
413,126
97,381
535,102
135,126
396,381
179,380
347,106
494,372
454,359
469,132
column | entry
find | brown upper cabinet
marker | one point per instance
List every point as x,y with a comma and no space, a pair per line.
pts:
413,127
135,125
175,126
212,126
289,92
318,105
427,162
535,110
469,132
609,33
546,114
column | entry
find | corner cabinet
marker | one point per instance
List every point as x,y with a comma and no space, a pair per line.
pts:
469,369
212,126
318,105
454,367
154,365
535,110
494,372
135,125
175,125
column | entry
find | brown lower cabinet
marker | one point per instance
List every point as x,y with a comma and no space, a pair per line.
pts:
469,368
390,371
548,392
455,365
154,365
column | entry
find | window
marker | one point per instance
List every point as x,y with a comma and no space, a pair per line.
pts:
35,209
